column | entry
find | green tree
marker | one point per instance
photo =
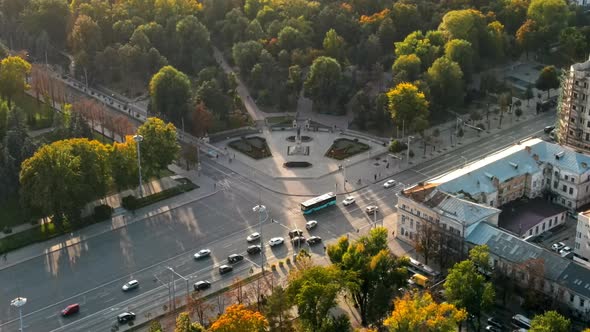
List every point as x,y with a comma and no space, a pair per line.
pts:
572,43
193,38
123,163
467,289
419,312
170,93
323,82
528,37
480,256
13,74
85,36
290,38
416,43
386,33
513,14
334,45
155,326
466,24
62,177
51,16
254,30
277,310
406,104
550,321
406,18
548,79
550,15
461,52
246,54
378,272
159,147
445,80
406,68
314,291
4,109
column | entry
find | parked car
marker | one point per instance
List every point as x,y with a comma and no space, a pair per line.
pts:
255,249
298,240
493,328
130,285
389,184
311,224
557,246
495,322
126,317
548,129
371,209
201,285
565,250
295,232
348,200
234,258
70,310
202,253
223,269
253,237
314,240
275,241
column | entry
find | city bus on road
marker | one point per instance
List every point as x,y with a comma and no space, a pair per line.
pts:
318,203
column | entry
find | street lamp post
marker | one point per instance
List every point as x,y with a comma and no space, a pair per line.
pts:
138,139
410,138
261,209
19,302
174,288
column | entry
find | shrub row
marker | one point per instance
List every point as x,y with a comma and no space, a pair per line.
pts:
131,202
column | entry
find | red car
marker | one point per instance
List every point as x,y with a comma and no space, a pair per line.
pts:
70,310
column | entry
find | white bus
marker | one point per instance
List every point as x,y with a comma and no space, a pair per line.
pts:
318,203
521,321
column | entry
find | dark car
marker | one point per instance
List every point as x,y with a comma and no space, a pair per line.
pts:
548,129
126,317
295,232
493,321
298,240
234,258
252,250
223,269
70,310
201,285
314,240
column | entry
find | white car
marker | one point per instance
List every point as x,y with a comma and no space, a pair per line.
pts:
371,209
557,246
348,200
566,250
275,241
389,184
130,285
311,224
203,253
253,237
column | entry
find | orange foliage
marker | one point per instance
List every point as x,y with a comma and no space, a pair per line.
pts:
375,18
346,6
237,318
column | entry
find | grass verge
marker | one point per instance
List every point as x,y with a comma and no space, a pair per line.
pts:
133,203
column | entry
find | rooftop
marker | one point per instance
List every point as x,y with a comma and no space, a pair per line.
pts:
519,216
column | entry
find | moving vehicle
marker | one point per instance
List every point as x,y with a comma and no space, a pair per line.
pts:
548,129
234,258
126,317
298,240
252,250
223,269
201,285
203,253
348,200
295,232
314,240
371,209
389,184
557,246
311,224
253,237
493,328
130,285
520,321
70,310
566,250
275,241
318,203
419,280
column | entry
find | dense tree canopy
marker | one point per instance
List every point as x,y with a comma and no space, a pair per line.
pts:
550,321
406,104
548,79
159,146
170,93
323,83
13,74
445,79
237,318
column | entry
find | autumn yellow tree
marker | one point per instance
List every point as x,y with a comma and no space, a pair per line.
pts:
13,74
418,312
237,318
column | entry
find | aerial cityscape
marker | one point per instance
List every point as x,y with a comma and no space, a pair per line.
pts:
295,165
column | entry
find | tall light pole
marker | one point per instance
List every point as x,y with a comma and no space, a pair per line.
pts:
138,139
410,138
262,215
19,302
174,288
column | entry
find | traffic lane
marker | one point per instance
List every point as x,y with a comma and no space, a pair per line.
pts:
64,273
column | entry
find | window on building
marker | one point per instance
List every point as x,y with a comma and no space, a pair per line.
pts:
403,231
569,204
564,188
577,245
536,229
562,216
531,231
555,184
575,95
579,235
582,302
543,227
550,222
411,223
556,173
566,177
571,191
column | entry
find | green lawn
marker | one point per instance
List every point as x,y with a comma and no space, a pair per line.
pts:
284,119
11,213
38,115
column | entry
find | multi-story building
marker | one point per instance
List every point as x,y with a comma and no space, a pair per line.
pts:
574,119
582,244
